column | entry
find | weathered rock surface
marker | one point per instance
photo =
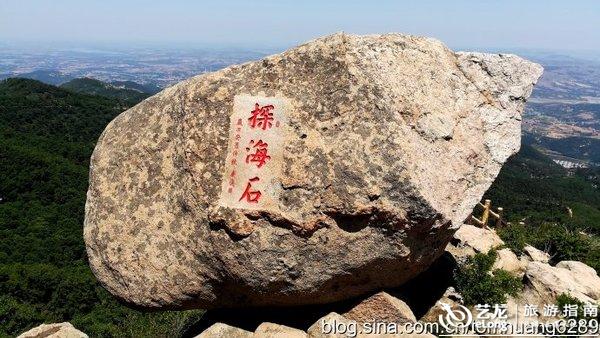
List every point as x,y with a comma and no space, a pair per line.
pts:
469,240
532,254
322,328
219,330
479,239
382,145
544,282
381,307
272,330
508,260
57,330
584,273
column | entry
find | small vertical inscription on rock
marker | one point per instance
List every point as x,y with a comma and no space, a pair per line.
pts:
254,153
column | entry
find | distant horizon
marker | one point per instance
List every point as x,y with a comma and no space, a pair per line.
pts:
132,46
280,24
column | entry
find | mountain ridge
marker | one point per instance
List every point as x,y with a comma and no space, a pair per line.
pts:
96,87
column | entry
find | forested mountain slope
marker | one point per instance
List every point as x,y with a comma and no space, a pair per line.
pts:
47,135
550,207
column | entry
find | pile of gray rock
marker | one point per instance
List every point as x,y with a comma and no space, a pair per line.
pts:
382,308
542,282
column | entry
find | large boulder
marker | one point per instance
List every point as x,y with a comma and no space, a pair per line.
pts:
333,169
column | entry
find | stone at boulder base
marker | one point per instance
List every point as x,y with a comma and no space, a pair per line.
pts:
219,330
508,261
324,327
575,279
451,299
271,330
56,330
381,308
469,240
535,255
331,170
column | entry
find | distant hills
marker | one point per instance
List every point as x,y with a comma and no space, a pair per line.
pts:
552,208
567,79
85,84
127,91
567,132
573,149
51,77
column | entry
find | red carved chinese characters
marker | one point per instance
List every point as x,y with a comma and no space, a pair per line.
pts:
260,155
251,196
254,144
262,117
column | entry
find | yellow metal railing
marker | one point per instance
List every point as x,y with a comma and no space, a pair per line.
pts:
487,213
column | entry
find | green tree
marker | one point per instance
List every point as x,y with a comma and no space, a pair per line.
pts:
478,284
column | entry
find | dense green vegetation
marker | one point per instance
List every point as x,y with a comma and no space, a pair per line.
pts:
46,138
478,284
565,300
94,87
537,192
534,189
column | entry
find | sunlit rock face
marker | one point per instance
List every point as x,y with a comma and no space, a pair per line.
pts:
333,169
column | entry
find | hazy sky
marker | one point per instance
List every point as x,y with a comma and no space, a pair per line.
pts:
543,24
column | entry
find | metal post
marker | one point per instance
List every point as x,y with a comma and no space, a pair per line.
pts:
486,212
499,220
